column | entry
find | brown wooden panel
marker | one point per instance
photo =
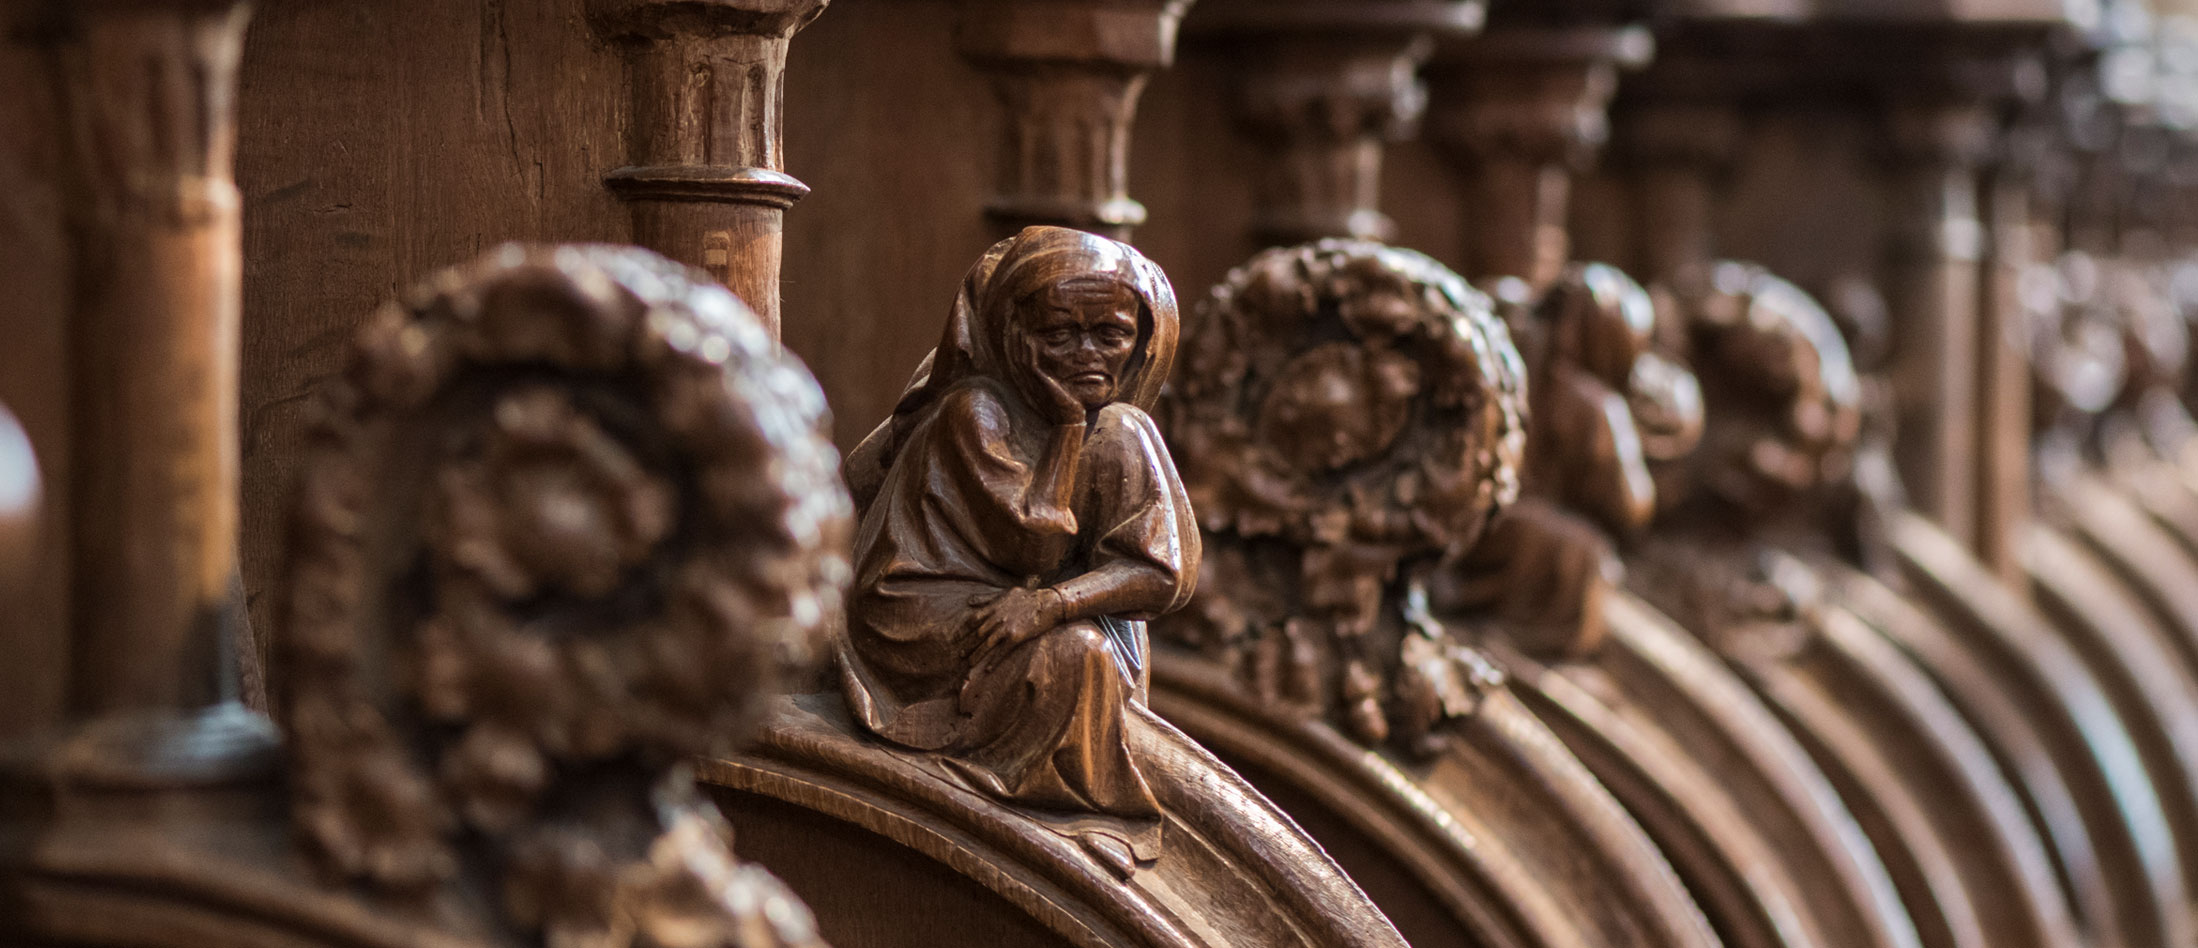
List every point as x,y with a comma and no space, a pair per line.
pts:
379,141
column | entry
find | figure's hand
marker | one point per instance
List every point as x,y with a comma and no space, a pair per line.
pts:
1062,406
1014,617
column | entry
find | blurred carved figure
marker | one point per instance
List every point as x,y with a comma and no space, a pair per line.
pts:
1022,519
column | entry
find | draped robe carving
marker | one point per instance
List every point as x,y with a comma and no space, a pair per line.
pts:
993,489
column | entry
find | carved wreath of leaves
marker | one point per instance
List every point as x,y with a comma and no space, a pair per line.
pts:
567,512
1362,407
1442,386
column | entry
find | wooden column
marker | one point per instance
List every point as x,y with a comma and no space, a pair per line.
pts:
1522,110
1933,275
706,173
1678,153
1069,73
147,97
1322,88
2014,247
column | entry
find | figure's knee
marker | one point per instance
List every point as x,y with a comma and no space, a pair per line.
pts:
1073,644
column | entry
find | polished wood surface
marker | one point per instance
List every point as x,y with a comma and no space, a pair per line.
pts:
1840,598
1021,521
1348,414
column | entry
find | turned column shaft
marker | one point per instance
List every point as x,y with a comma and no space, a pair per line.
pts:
1679,151
1934,277
1521,206
148,93
1676,227
1321,109
1521,111
1321,89
2003,377
1068,74
706,178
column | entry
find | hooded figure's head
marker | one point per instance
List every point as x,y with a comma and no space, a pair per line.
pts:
1091,313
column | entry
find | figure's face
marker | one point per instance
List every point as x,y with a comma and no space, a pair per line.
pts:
1085,331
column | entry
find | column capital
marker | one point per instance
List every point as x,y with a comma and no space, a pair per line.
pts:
1125,35
1322,90
675,19
1532,92
1069,73
705,172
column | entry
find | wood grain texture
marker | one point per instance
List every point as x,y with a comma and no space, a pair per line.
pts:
2121,828
705,171
2130,652
378,141
153,216
1234,869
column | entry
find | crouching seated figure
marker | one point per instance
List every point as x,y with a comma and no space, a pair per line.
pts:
1020,521
1028,521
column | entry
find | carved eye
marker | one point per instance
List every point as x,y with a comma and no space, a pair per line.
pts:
1057,337
1114,334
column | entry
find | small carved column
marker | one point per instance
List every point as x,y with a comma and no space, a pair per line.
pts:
1522,110
1934,277
707,180
147,93
1322,88
1069,73
2014,247
1679,153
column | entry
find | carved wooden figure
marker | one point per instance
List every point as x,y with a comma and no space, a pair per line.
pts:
1021,520
1027,523
1346,414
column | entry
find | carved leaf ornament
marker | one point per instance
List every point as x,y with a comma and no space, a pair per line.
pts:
566,517
1344,413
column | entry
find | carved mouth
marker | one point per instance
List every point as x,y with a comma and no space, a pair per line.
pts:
1091,378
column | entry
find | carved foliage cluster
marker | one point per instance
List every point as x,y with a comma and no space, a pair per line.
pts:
1606,408
564,519
1345,413
1784,402
1784,409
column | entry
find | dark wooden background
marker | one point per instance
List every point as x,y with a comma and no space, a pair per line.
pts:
383,139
